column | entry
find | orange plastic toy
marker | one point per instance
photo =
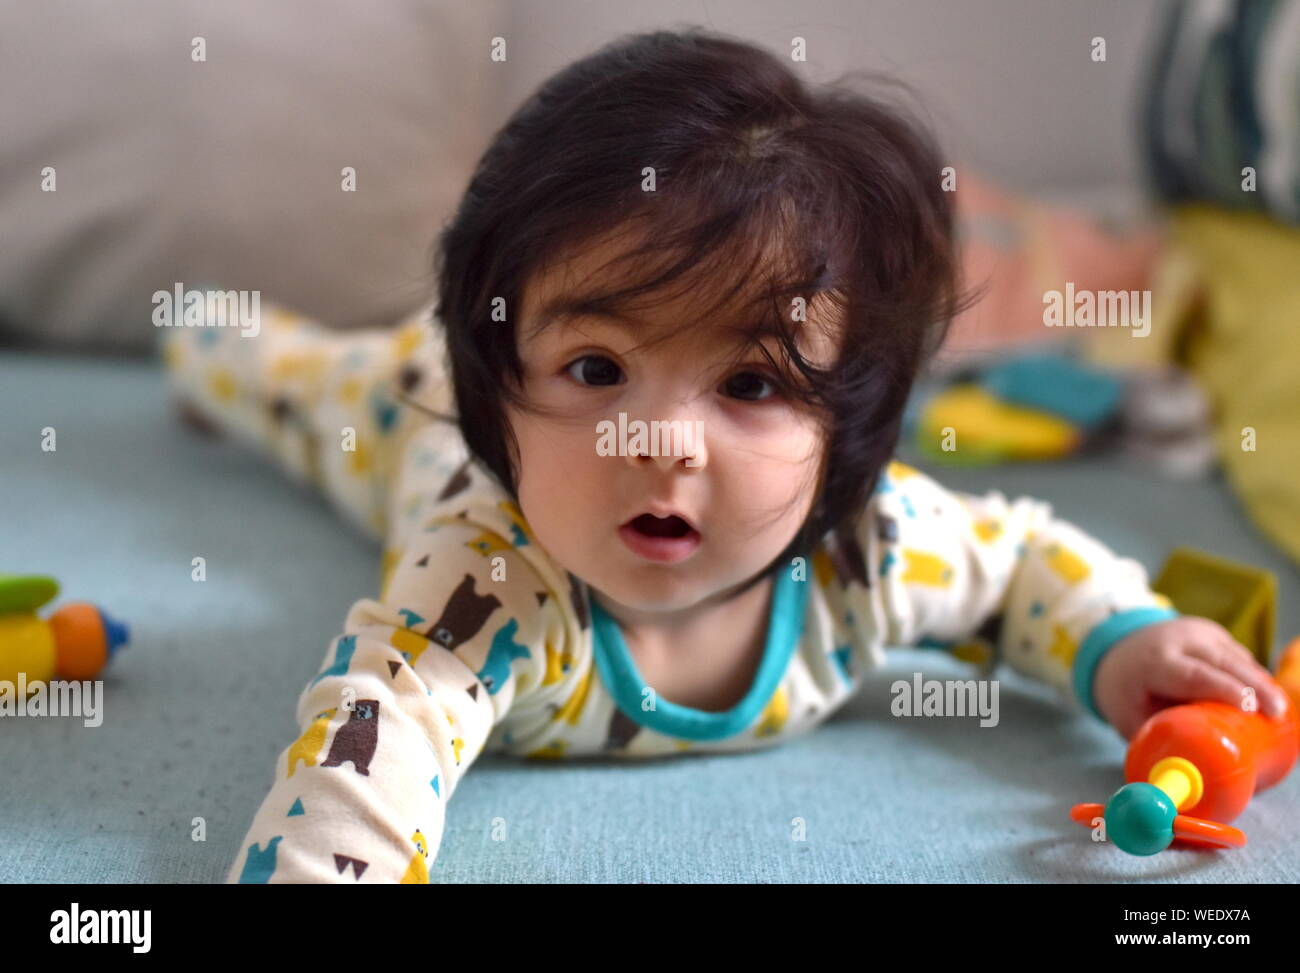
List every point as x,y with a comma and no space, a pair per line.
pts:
75,642
1193,768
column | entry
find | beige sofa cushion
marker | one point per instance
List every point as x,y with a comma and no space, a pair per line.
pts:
227,172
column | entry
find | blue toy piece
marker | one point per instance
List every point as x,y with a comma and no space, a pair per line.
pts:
1056,384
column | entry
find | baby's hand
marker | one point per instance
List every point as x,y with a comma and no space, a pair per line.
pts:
1181,660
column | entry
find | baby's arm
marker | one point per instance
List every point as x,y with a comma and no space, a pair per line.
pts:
1048,597
403,705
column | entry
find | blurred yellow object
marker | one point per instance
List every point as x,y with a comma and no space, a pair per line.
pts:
982,428
1240,597
1225,305
28,647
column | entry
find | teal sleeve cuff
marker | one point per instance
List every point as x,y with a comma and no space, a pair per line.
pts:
1101,638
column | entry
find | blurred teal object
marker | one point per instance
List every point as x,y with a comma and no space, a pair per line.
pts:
1056,384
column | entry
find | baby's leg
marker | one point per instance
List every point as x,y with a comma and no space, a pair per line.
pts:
431,469
327,406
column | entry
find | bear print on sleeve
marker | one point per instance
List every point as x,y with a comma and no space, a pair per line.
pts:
403,704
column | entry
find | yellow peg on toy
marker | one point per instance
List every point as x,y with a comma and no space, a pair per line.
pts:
75,642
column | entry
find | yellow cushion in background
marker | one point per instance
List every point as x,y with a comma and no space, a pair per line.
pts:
1226,305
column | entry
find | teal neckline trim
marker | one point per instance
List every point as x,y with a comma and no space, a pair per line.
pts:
1099,641
614,662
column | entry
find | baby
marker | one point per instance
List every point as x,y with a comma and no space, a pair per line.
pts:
680,310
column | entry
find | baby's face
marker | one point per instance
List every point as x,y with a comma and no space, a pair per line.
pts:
746,489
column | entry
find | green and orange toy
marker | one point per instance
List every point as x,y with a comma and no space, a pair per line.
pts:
1194,767
76,642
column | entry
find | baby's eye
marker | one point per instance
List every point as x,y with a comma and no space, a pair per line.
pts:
744,385
595,374
597,370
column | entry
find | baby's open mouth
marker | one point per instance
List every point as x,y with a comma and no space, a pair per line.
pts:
666,540
662,539
652,526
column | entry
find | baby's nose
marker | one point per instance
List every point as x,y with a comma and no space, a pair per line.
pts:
668,443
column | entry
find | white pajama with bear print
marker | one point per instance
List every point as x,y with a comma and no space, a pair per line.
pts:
480,642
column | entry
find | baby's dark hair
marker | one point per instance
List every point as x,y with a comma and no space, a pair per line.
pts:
744,154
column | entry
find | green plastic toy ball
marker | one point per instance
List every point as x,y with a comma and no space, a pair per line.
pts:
1140,819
